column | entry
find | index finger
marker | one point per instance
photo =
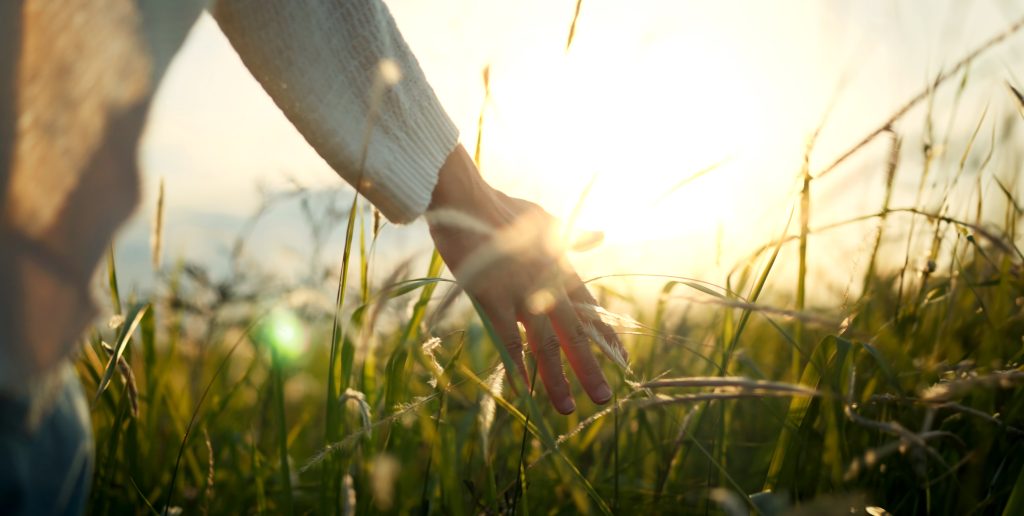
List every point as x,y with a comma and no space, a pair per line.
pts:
503,320
577,349
578,293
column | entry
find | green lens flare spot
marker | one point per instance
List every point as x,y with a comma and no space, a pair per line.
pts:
283,330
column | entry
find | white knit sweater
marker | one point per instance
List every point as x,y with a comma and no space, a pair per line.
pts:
342,73
338,69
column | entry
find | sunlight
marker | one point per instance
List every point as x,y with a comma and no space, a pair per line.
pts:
637,116
643,100
649,94
691,136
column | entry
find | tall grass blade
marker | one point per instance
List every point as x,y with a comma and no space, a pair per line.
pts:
277,377
829,355
688,179
755,292
1018,97
400,360
127,330
1015,504
199,404
486,73
331,420
157,238
890,179
942,78
801,278
572,26
115,294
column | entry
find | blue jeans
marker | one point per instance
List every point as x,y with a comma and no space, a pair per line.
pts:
46,469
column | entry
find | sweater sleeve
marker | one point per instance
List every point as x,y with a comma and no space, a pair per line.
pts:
342,74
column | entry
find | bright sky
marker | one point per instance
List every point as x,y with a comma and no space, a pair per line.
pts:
651,92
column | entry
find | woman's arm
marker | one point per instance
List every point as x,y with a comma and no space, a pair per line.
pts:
343,75
331,68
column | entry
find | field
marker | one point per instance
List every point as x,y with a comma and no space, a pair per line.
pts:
239,394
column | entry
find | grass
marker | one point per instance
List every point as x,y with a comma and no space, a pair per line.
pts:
908,397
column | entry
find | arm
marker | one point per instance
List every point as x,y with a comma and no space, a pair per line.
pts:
331,68
320,60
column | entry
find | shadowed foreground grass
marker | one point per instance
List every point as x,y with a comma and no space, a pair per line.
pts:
242,395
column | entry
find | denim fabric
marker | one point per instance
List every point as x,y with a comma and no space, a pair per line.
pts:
46,469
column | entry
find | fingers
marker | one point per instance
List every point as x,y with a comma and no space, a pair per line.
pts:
578,293
577,349
506,329
546,348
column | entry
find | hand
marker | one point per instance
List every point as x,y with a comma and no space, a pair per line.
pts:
508,256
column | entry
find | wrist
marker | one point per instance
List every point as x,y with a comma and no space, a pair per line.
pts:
461,188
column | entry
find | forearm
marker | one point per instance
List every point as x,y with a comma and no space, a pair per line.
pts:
320,61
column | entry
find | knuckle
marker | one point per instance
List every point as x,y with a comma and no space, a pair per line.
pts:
515,349
512,341
549,344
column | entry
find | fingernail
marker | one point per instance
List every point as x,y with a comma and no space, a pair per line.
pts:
566,406
602,394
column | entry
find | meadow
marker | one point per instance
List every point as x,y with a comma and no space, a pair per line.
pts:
244,394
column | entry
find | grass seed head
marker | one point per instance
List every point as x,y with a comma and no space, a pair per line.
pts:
495,384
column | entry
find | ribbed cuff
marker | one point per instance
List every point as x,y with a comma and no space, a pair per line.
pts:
404,163
319,60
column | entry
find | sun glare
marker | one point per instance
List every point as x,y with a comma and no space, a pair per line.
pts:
646,97
638,117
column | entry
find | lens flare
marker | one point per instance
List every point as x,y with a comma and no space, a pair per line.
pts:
283,330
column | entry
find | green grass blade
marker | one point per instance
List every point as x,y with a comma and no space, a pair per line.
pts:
1015,504
398,365
277,378
831,351
332,420
115,294
752,298
135,317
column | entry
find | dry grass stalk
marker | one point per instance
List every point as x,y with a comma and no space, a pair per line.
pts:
734,382
942,78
